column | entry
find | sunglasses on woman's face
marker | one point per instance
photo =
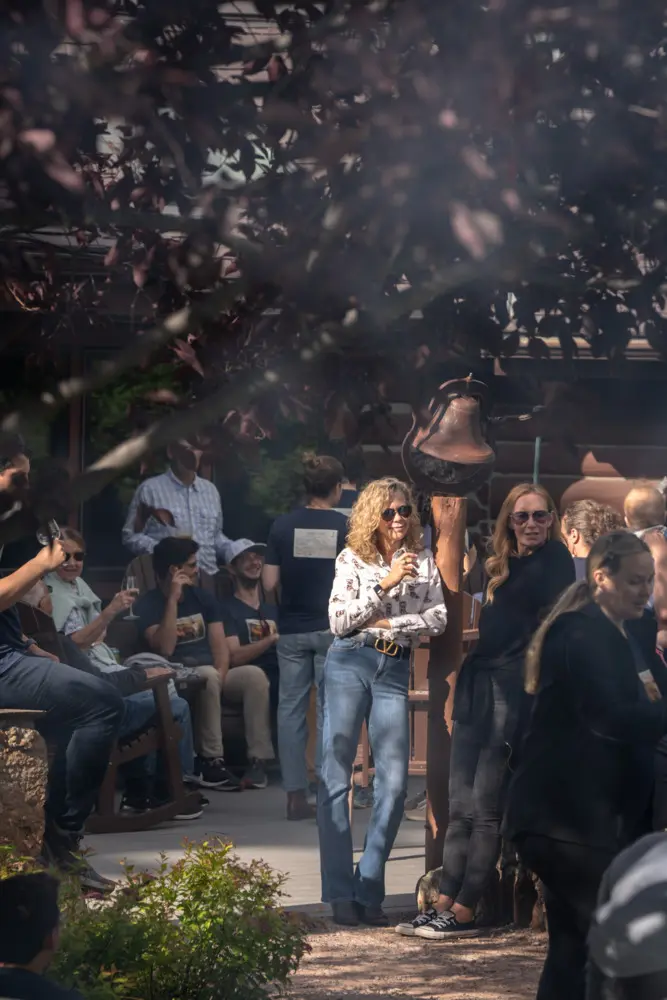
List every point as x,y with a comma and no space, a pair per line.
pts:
404,511
76,556
522,517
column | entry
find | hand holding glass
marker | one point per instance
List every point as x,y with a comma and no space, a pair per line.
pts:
130,583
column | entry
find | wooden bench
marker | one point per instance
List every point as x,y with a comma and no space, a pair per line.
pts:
163,736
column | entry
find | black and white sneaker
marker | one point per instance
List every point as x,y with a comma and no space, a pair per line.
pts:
255,775
409,927
215,774
445,925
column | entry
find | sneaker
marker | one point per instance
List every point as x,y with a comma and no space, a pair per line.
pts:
362,798
138,806
446,925
214,774
418,814
62,848
408,927
255,775
416,802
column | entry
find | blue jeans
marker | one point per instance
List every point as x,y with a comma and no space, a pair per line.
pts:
301,661
140,712
83,716
361,683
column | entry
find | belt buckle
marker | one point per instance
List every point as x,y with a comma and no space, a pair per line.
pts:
387,647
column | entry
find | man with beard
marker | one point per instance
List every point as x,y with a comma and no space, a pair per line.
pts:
251,630
178,503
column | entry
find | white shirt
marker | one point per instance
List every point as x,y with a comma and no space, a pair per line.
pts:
414,608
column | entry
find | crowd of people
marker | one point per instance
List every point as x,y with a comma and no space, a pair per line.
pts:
559,743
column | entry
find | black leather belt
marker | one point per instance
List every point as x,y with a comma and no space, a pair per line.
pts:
388,647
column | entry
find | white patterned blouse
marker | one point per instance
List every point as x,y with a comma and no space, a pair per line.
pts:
414,608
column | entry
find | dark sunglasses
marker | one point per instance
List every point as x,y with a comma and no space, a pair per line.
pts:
524,516
76,556
405,511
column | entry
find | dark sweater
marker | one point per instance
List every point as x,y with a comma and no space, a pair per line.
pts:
494,670
586,773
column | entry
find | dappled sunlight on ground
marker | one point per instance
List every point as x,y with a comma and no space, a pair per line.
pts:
372,964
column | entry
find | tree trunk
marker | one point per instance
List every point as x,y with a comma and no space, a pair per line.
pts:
449,525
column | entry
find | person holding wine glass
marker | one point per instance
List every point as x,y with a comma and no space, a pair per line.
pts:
81,713
78,614
386,595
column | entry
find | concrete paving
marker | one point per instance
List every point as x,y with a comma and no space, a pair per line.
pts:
254,821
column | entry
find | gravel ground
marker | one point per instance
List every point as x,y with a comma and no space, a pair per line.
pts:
374,964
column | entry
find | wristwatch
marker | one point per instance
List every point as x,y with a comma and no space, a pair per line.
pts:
378,590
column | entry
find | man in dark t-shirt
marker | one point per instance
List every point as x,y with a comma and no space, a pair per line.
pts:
29,918
185,623
300,565
251,624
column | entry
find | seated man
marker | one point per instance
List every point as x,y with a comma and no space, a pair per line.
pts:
179,620
252,633
29,918
77,613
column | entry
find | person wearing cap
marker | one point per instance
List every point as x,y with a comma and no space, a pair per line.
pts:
251,624
183,622
628,935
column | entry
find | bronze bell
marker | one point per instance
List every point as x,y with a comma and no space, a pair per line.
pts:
454,434
445,450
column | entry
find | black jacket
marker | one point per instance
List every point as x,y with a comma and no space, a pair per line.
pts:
586,770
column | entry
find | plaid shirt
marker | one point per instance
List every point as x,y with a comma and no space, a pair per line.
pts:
415,608
197,513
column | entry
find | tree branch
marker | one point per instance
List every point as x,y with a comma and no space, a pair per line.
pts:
178,324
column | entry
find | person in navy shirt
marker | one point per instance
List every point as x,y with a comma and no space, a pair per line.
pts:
300,565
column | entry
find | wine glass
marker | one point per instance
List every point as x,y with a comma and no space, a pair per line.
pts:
49,533
130,583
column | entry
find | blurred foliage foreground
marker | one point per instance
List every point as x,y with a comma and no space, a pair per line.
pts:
205,928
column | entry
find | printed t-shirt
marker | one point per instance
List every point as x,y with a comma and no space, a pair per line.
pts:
305,544
197,609
250,625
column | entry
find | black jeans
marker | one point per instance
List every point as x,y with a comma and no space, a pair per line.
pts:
571,875
83,716
477,781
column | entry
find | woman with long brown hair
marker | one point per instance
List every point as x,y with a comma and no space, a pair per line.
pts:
528,568
582,789
386,595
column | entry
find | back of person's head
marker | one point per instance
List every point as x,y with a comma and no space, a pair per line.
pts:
629,930
172,552
29,917
644,507
321,475
591,519
355,466
607,553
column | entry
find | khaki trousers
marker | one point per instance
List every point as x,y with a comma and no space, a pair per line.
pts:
247,685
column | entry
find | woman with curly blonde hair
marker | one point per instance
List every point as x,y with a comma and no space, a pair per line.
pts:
386,594
528,568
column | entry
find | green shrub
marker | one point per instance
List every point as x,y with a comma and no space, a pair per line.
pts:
207,927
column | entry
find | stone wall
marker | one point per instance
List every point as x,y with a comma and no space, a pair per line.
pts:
23,774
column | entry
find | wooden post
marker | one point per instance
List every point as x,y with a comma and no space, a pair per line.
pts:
449,526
